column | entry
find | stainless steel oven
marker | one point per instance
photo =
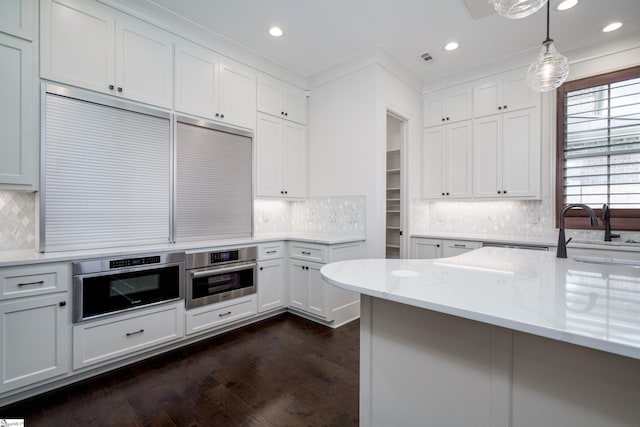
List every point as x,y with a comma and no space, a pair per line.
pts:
220,275
106,286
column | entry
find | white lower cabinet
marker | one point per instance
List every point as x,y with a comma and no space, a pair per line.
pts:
34,324
34,338
124,335
271,289
209,317
309,294
424,248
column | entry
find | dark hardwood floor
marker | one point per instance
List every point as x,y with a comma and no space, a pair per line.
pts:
284,371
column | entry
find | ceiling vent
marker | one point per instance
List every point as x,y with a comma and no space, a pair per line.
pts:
426,57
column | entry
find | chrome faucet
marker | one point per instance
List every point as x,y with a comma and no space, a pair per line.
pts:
606,216
562,243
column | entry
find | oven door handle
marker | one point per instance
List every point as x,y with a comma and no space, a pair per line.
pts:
213,271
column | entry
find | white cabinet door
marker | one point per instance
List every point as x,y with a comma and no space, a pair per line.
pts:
270,285
426,248
298,282
196,80
78,44
317,291
487,156
447,106
237,94
295,160
458,163
503,93
434,162
144,59
507,155
269,143
34,340
282,100
17,17
18,118
520,154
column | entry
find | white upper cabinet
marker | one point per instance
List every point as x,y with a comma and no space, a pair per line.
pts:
503,93
507,155
211,86
19,141
281,158
447,106
17,17
447,161
92,46
282,100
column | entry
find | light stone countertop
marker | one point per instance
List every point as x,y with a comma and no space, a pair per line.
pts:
30,256
592,305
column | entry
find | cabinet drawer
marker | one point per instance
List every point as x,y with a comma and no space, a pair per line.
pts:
270,251
216,315
34,280
107,339
308,251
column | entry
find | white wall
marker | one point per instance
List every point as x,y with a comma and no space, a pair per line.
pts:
347,140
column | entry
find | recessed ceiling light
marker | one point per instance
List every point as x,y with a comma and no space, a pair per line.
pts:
451,46
567,4
612,27
275,32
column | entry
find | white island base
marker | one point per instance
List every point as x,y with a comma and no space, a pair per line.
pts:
424,368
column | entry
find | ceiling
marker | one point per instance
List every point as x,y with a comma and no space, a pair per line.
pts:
322,33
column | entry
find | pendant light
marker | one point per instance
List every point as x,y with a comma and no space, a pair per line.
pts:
515,9
550,69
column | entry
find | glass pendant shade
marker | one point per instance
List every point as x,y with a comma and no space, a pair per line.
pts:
549,70
515,9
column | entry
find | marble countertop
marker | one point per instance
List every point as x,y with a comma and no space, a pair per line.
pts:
30,256
592,305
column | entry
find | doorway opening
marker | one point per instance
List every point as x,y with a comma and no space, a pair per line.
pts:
396,132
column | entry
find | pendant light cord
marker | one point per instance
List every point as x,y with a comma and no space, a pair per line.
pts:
548,40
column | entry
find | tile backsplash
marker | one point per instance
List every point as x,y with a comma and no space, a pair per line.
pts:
327,215
17,220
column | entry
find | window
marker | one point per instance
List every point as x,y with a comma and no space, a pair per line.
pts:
598,148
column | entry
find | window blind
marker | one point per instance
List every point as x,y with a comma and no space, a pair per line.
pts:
107,175
602,145
214,184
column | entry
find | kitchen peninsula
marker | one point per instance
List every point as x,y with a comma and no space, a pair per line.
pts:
496,337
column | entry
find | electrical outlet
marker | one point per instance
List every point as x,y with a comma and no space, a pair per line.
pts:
332,215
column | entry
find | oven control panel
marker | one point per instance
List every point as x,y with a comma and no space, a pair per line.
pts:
225,256
134,262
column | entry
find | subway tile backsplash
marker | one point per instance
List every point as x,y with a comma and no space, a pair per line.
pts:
17,220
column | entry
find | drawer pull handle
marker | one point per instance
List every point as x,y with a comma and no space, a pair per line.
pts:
459,246
271,252
306,253
129,334
39,282
224,314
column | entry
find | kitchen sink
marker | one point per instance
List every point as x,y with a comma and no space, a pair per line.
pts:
608,261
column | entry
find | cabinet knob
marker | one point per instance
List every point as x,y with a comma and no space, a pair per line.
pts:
437,246
282,112
63,303
499,107
504,107
447,118
499,192
261,268
119,89
443,119
217,114
286,192
447,194
111,87
222,116
505,191
443,194
286,114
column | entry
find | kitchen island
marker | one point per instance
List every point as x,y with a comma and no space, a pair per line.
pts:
496,337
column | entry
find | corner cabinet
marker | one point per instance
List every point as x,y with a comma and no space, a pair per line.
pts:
19,118
281,158
34,319
211,86
282,100
447,161
89,45
309,295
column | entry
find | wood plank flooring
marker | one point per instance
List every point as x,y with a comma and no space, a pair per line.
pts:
283,371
